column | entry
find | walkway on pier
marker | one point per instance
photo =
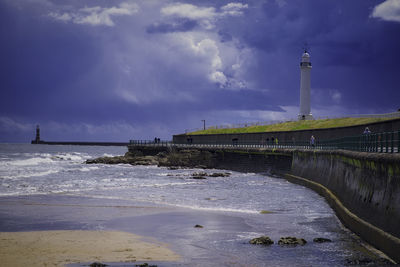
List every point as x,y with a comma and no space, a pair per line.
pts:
385,142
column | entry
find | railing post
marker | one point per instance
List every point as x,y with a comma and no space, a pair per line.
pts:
387,142
398,141
392,143
370,142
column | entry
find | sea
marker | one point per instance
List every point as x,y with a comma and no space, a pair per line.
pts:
47,187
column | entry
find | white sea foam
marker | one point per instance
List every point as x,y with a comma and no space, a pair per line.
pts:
88,169
70,156
165,184
108,155
31,174
27,162
217,209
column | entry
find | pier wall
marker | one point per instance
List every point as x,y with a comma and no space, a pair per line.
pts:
366,186
73,143
287,136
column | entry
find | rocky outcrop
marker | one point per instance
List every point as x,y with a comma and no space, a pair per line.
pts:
321,240
127,159
262,240
291,241
204,175
191,158
145,265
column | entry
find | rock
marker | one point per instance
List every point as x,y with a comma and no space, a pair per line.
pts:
200,167
199,177
220,174
145,265
199,174
162,154
127,159
189,158
173,168
173,159
291,241
98,264
265,212
198,226
321,240
262,240
135,153
108,160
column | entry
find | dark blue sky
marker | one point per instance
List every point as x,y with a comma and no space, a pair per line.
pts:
116,70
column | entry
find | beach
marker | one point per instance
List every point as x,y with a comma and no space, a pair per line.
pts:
55,211
77,231
58,248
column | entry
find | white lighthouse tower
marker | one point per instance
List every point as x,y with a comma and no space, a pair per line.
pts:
305,87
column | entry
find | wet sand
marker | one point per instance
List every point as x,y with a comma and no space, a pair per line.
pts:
58,230
58,248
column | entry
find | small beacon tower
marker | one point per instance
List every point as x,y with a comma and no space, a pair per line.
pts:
37,138
305,87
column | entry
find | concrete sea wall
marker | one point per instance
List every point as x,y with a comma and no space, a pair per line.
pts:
363,189
367,184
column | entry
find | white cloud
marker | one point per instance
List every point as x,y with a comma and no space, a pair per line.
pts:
205,51
388,10
207,48
10,125
281,3
206,16
219,78
96,15
234,9
335,95
188,11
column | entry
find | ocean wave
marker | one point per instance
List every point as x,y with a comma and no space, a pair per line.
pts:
70,156
88,169
26,162
165,184
33,174
217,209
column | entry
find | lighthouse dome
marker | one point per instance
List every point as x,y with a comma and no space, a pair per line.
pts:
305,54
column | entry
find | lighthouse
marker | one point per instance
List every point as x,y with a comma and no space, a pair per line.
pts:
305,87
37,139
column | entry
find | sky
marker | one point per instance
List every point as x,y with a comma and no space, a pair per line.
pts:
115,70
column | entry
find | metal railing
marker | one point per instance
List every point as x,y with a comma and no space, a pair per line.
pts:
150,142
386,142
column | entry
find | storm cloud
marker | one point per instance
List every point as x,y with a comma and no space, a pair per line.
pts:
119,70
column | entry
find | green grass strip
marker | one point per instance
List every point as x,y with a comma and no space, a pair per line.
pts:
294,126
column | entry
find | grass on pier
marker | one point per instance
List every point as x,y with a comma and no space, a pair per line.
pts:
295,125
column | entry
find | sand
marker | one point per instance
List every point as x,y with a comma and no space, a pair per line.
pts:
57,248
